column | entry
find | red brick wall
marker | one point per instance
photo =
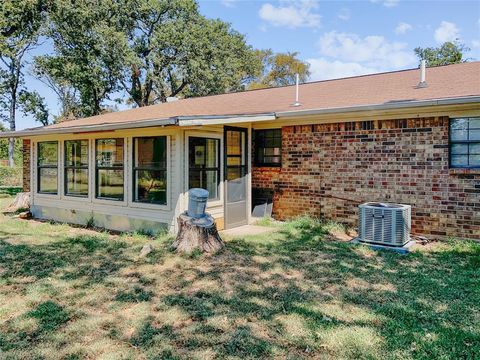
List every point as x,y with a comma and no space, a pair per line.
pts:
26,165
327,171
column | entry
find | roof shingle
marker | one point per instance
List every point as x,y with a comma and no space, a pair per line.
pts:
459,80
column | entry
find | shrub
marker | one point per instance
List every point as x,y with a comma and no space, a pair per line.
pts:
10,176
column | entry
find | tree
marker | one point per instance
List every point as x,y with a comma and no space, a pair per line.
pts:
84,69
448,53
150,49
279,69
175,51
68,98
20,26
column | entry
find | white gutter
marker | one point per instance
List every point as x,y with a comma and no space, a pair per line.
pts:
222,120
386,106
89,128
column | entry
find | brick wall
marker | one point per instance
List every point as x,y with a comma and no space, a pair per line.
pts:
26,165
328,169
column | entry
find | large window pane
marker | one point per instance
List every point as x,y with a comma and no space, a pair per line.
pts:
76,153
150,170
109,168
76,168
110,184
204,165
109,153
76,182
48,180
465,142
48,153
47,167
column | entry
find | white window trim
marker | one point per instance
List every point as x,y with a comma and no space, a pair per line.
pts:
64,196
39,195
211,135
140,205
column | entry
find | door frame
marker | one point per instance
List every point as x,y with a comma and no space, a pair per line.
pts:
247,172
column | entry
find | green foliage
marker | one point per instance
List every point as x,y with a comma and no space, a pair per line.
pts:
33,104
149,49
21,24
450,52
88,39
279,69
10,176
50,316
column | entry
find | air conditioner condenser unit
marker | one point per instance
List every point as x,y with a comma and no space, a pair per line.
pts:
385,223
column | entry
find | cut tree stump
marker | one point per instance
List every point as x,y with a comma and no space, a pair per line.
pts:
21,201
196,234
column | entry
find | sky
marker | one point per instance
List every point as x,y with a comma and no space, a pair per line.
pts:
337,38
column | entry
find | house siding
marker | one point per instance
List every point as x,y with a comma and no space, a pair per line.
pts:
329,169
26,148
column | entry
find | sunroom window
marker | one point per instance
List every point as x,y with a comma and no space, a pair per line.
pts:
47,167
76,168
150,170
465,143
204,165
109,171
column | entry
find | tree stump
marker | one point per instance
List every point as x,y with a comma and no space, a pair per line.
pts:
21,202
198,234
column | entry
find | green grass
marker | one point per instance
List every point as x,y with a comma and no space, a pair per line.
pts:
71,293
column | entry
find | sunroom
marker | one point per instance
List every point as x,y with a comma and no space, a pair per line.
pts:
138,179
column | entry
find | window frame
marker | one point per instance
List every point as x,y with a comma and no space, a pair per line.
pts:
66,167
39,167
97,168
466,142
255,157
136,168
219,140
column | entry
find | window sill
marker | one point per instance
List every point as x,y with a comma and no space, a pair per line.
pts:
465,171
268,167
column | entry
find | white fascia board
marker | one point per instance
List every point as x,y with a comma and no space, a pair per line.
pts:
386,106
89,128
223,120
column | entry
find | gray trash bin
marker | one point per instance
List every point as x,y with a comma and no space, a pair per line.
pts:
197,202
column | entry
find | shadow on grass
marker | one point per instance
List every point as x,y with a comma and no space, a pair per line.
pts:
87,256
424,304
287,294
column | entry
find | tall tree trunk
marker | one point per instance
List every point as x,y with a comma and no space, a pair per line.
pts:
11,141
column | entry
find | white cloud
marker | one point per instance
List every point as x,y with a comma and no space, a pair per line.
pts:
228,3
386,3
323,69
402,28
344,54
344,14
291,14
447,31
373,51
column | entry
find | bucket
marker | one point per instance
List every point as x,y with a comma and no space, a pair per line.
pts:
197,202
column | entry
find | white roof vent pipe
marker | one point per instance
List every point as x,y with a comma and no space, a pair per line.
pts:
297,80
423,71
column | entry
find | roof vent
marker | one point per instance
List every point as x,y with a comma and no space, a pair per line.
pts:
172,99
297,80
423,82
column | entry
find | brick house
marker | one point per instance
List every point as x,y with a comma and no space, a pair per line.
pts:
377,137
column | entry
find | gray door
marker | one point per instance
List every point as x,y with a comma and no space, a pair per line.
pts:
236,169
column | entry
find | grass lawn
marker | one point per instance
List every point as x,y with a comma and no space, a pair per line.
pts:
69,293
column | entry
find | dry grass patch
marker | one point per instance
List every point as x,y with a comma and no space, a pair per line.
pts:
68,293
